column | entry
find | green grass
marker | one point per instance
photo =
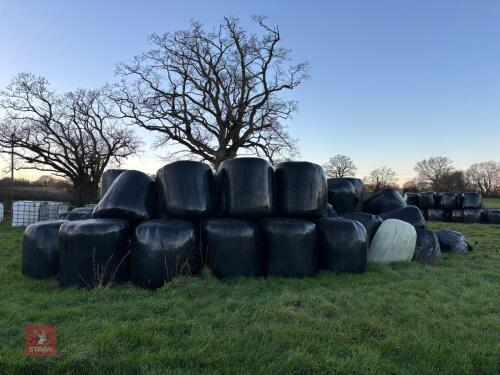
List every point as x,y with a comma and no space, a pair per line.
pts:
491,202
395,319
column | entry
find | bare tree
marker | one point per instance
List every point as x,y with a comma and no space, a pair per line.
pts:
340,166
213,94
72,135
381,178
433,170
484,177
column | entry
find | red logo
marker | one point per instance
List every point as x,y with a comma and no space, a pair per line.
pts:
40,341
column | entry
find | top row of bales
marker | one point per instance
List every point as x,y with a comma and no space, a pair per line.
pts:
247,188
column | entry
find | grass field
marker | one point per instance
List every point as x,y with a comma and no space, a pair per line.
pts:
395,319
491,202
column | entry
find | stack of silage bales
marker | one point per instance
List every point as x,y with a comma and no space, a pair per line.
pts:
454,207
249,219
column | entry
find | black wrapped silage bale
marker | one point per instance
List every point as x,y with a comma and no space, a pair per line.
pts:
342,245
342,195
383,201
41,249
492,216
186,190
410,214
457,215
78,213
329,211
427,200
369,221
437,199
411,199
473,215
448,201
289,247
358,188
452,241
108,177
131,197
437,214
427,249
163,249
246,188
471,200
93,253
232,247
301,189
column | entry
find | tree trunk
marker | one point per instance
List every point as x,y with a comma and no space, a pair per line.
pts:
85,191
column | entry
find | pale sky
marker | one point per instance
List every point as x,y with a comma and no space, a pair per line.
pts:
392,82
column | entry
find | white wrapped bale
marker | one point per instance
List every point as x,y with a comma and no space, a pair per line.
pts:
394,241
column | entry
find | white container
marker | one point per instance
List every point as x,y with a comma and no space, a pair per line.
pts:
52,210
25,213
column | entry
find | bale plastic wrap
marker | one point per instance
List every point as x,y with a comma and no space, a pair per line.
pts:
246,187
369,221
394,242
342,195
131,197
78,213
93,252
301,189
329,211
471,200
437,198
437,214
186,190
427,200
410,214
448,201
108,177
342,245
163,249
358,188
473,215
41,249
492,216
383,201
411,199
452,241
289,247
232,247
427,249
457,215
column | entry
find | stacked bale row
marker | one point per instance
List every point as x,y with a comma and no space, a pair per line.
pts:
454,207
247,220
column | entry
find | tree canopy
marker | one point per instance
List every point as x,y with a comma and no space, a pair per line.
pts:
215,94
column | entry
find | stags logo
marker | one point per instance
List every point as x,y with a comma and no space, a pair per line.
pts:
40,341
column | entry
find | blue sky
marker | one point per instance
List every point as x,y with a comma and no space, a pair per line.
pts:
392,82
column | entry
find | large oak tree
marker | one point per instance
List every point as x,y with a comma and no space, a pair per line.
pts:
74,135
214,94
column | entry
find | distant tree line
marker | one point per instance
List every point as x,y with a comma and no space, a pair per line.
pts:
436,173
